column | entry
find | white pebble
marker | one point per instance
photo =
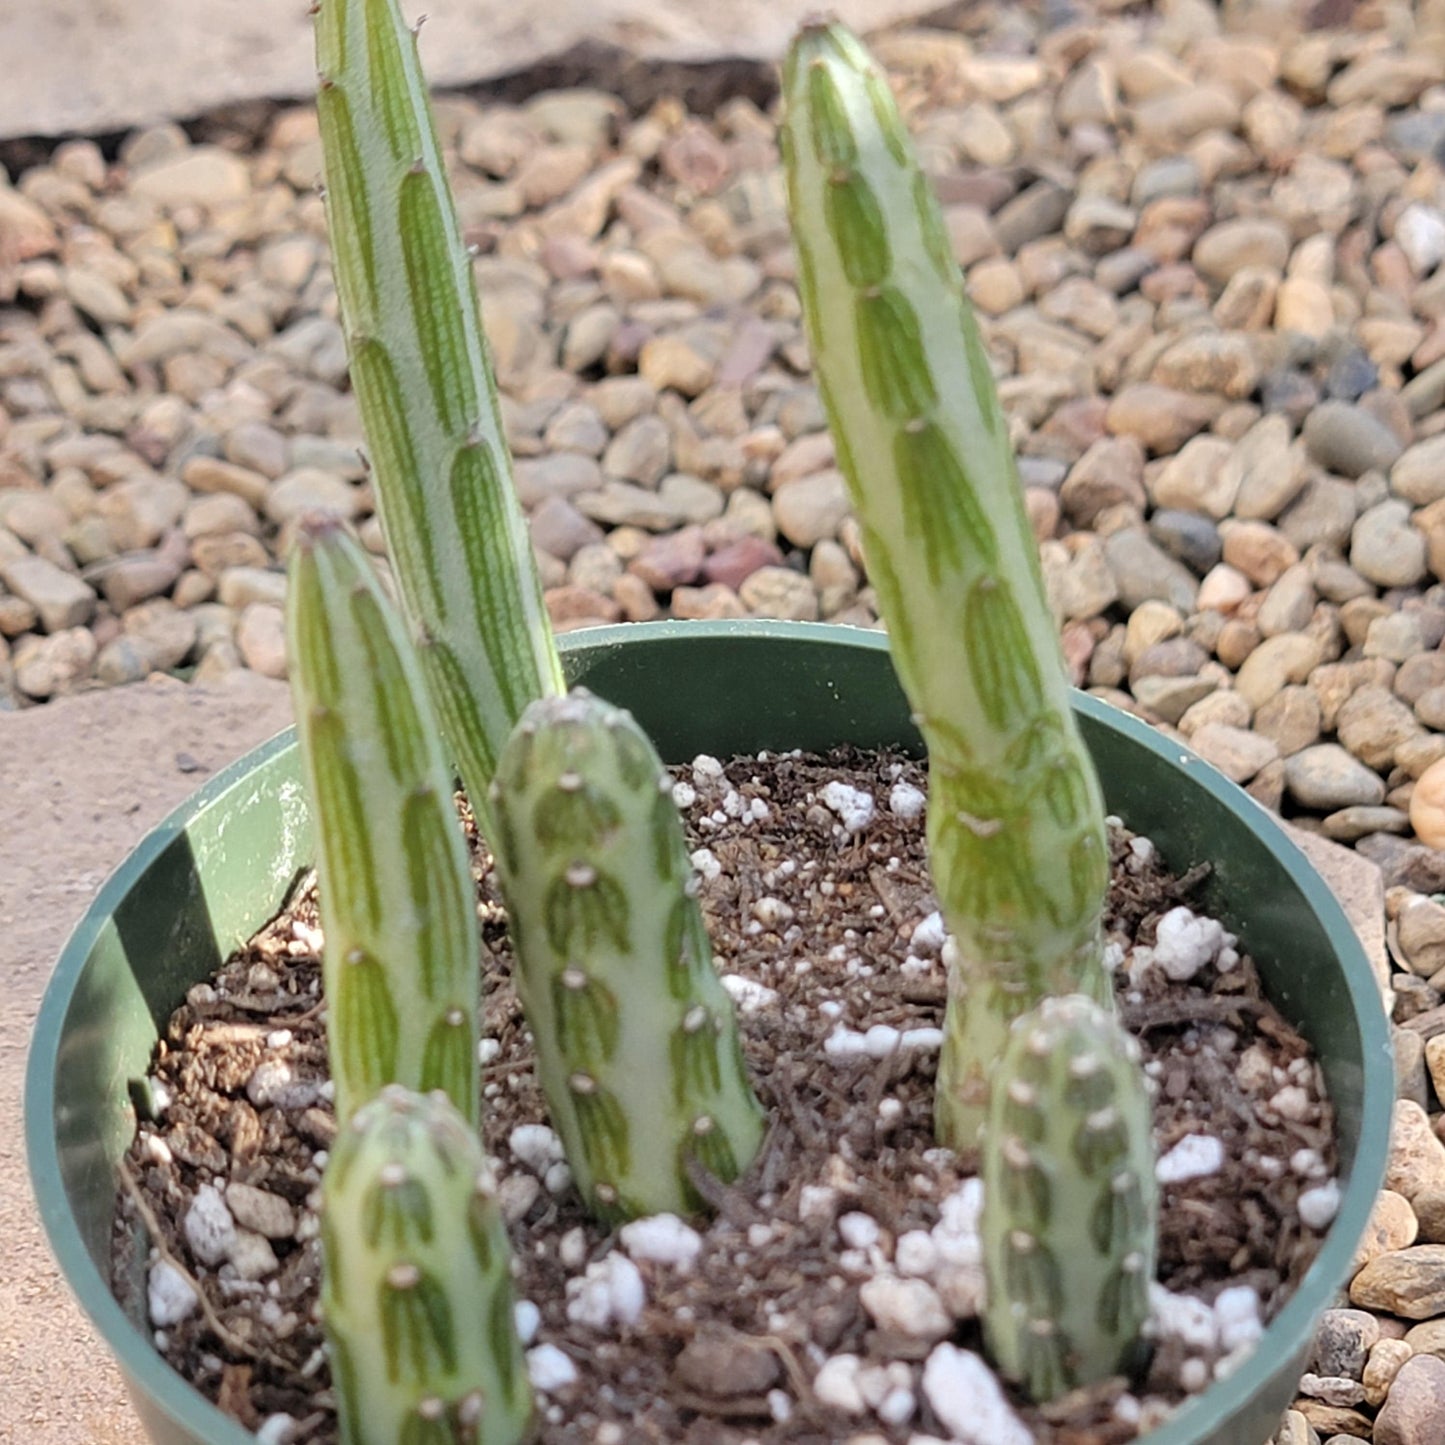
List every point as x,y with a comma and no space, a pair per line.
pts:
929,1041
1194,1375
881,1040
759,812
780,1406
549,1369
845,1043
905,802
572,1248
1184,943
836,1384
853,806
252,1256
1307,1163
528,1319
684,794
158,1149
611,1291
662,1239
1420,234
915,1253
929,935
276,1430
209,1227
536,1146
966,1397
907,1307
1142,849
1318,1206
897,1405
706,769
278,1038
1291,1102
272,1082
169,1295
747,993
1182,1317
488,1051
1236,1312
558,1178
705,861
817,1202
858,1230
1195,1156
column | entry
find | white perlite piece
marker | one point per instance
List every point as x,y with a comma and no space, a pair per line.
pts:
662,1239
1318,1206
836,1384
853,806
858,1230
905,802
684,794
1236,1313
276,1430
705,861
907,1307
528,1320
879,1042
1195,1156
209,1228
966,1397
747,993
706,769
549,1369
611,1291
170,1297
1184,943
1184,1318
928,937
535,1146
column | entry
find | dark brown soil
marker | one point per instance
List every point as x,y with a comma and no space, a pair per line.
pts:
721,1352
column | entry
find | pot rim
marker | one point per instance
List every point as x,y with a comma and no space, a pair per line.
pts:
141,1363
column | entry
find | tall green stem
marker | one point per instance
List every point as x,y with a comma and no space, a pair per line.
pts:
398,909
1016,821
423,380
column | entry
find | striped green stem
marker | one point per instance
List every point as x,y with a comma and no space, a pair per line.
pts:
416,1287
422,375
1070,1201
637,1046
1015,821
398,910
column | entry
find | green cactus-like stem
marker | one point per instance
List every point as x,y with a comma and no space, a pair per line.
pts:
637,1046
1015,821
1070,1200
422,374
402,952
416,1286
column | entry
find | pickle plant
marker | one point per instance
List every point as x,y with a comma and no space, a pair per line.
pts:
417,1306
637,1046
1069,1200
1017,838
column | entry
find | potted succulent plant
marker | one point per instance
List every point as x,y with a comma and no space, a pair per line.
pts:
636,1043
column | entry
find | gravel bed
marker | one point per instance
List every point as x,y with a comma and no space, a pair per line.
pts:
1206,246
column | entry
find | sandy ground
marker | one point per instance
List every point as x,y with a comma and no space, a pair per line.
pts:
80,783
88,66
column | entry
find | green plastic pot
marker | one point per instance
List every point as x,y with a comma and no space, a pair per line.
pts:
220,866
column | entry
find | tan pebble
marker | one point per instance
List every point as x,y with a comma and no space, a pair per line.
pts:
1417,1157
1409,1282
1382,1367
1414,1411
1392,1227
1330,1420
1427,1338
1427,805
